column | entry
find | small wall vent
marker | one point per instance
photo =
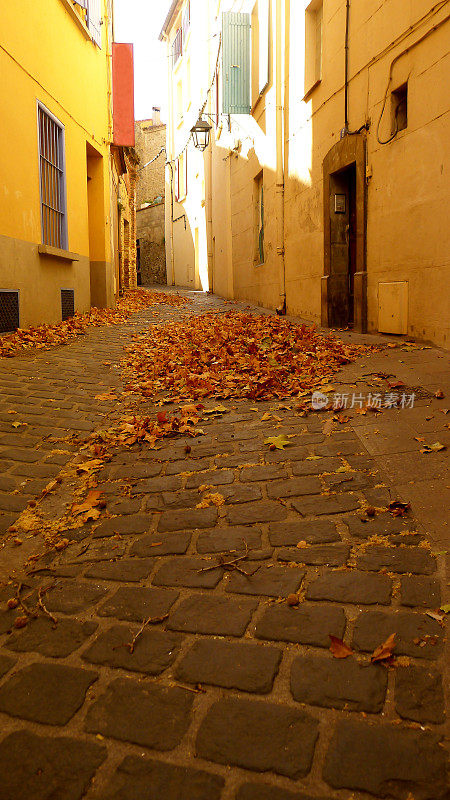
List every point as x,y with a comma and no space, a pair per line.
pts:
9,311
67,303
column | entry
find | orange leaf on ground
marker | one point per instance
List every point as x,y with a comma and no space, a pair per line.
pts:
385,650
92,500
338,648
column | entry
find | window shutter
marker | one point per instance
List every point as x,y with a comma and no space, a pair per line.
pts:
264,27
95,20
236,63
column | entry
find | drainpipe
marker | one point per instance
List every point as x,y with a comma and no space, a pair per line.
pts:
281,309
347,19
172,254
169,150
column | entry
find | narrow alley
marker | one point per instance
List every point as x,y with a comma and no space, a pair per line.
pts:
222,597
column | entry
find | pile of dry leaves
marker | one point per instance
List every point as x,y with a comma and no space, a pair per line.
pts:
43,336
139,430
233,355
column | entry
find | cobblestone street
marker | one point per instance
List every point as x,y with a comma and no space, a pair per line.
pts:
230,691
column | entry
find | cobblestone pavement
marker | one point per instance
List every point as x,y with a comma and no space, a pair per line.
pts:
234,694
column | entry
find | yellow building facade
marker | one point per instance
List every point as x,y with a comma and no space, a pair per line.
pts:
59,175
325,193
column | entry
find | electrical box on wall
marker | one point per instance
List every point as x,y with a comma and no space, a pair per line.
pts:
393,307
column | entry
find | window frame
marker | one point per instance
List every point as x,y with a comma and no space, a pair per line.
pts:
313,60
63,245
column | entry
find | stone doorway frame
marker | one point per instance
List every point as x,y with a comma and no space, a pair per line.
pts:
349,150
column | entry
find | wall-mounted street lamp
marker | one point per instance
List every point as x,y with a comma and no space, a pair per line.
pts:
200,134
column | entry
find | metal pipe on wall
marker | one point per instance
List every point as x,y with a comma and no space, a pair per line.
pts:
281,309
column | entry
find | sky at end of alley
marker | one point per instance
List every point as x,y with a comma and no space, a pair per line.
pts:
140,22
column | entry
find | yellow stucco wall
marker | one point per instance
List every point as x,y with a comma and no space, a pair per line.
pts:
406,186
46,56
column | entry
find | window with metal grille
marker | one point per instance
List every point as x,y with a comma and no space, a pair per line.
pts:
177,46
9,311
67,303
53,179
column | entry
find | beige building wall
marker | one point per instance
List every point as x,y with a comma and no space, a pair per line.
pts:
394,228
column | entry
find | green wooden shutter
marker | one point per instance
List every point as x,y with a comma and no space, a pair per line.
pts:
236,63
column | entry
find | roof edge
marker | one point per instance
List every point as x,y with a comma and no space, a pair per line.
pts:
168,19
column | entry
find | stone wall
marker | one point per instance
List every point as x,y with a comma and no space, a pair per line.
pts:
150,233
150,138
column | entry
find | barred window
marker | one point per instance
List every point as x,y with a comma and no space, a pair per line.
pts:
52,179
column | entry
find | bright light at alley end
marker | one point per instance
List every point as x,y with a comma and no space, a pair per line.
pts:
200,134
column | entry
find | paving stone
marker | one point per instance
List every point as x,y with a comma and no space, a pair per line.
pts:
13,502
325,504
246,667
306,624
146,714
217,477
258,736
181,499
212,614
223,540
291,533
47,768
166,483
252,513
152,780
6,520
71,596
294,487
129,524
379,497
136,471
157,545
128,570
380,525
338,683
227,460
5,664
240,493
372,628
137,604
55,641
153,652
294,453
25,455
420,591
268,580
8,483
398,559
261,791
191,572
351,586
316,466
187,465
405,538
46,693
187,519
386,761
339,447
98,550
263,473
419,694
331,555
124,505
